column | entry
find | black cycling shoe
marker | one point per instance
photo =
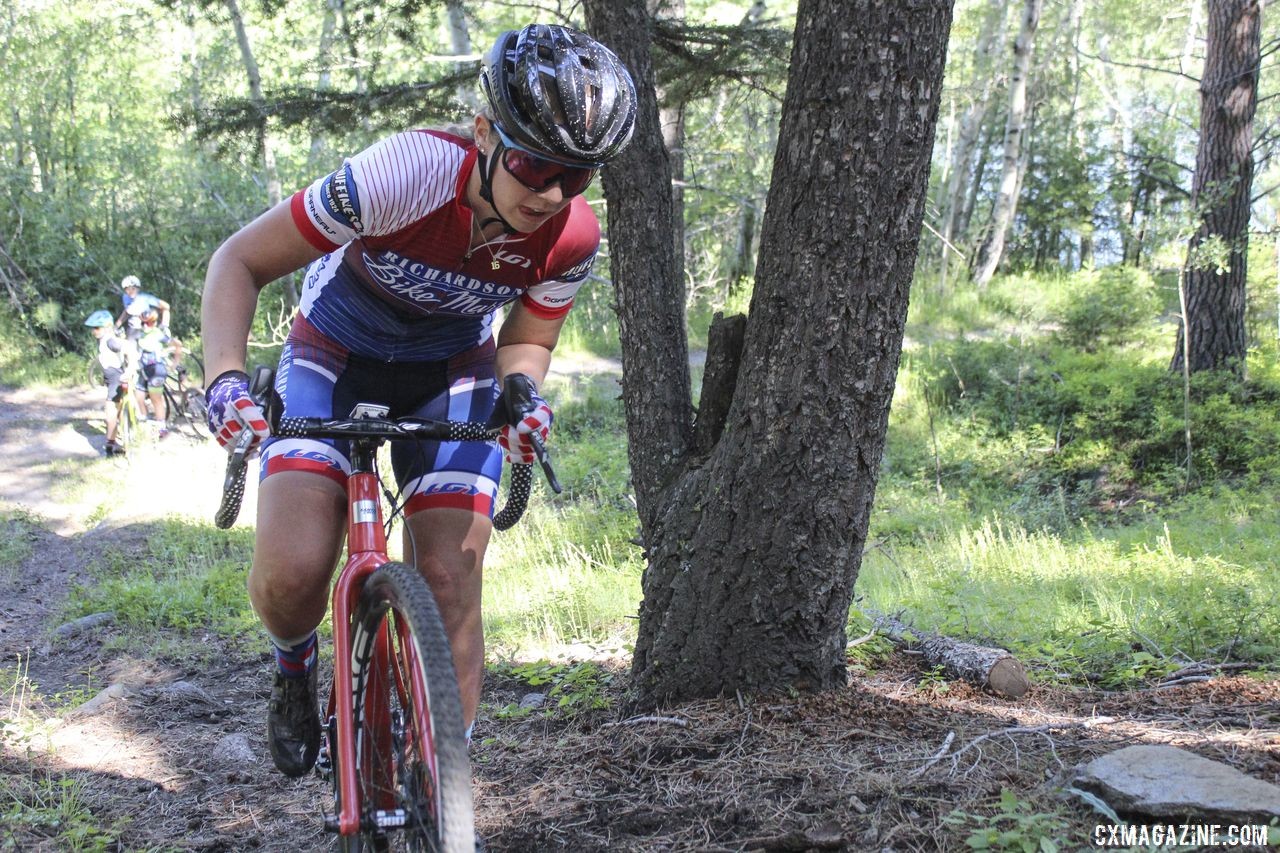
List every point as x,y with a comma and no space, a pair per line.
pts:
293,724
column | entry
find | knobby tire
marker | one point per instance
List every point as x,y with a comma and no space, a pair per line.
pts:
425,754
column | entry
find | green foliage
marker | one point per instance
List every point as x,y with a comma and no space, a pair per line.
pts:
573,687
1016,827
1035,496
1105,307
53,811
569,570
19,529
184,576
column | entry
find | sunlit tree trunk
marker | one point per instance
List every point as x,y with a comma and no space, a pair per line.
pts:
1006,198
962,169
270,173
1221,188
460,43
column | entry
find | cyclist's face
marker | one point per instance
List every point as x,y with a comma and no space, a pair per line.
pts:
524,208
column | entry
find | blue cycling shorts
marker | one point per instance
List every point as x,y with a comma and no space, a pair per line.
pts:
318,377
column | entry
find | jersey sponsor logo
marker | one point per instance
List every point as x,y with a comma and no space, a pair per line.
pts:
310,456
579,272
512,258
342,199
317,220
449,489
437,289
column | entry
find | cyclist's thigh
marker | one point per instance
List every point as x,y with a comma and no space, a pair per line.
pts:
112,376
300,528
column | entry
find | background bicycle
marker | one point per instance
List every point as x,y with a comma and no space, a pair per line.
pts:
184,390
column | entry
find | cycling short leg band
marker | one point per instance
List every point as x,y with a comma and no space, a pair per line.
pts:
295,658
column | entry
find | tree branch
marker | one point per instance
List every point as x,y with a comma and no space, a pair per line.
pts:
1139,66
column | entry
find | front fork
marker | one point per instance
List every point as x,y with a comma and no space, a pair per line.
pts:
367,549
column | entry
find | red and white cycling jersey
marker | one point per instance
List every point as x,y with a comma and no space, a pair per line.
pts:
398,282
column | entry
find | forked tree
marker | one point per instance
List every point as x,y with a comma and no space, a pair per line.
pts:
754,516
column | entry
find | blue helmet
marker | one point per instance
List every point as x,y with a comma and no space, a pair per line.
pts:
99,318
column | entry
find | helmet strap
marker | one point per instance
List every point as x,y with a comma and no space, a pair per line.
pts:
488,165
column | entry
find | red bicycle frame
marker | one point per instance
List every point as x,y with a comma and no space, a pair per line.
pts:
366,552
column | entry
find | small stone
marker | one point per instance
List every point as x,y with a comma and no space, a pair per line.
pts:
235,749
532,701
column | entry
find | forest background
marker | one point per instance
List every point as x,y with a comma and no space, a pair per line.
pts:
1049,485
139,135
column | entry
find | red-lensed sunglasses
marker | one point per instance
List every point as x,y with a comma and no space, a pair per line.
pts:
538,173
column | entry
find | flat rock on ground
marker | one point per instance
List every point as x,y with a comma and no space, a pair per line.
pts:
1164,781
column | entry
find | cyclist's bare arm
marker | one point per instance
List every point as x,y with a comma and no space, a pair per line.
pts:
266,249
525,343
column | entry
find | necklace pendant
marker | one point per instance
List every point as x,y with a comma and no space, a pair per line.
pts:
495,264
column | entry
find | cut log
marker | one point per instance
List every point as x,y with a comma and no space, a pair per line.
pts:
989,668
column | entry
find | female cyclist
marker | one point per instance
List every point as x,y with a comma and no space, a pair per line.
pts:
413,246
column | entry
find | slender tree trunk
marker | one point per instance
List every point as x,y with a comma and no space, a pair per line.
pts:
1002,215
1221,189
656,387
270,173
324,76
460,43
961,170
753,550
975,188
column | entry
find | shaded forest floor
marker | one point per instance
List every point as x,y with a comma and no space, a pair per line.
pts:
174,758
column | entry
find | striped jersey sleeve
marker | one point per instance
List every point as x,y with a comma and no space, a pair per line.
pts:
551,299
568,266
379,191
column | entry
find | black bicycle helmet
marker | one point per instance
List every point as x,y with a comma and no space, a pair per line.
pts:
559,92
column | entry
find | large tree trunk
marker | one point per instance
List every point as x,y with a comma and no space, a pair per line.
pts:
1006,199
1220,190
656,388
754,550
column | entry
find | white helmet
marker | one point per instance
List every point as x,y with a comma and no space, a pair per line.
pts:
130,281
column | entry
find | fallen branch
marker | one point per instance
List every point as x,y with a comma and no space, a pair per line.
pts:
937,756
989,668
1028,730
636,721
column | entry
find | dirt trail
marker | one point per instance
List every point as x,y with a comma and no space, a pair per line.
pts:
173,757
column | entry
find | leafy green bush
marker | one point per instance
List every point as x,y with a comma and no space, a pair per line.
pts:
1106,306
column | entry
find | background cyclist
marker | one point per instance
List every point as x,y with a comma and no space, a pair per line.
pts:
114,356
153,345
136,303
413,246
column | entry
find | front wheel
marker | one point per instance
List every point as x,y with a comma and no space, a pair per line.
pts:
411,753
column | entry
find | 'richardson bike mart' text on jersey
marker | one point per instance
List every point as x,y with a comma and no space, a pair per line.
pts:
400,281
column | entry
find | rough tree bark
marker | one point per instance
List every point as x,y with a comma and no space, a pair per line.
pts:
753,550
1220,190
1006,199
656,388
671,119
